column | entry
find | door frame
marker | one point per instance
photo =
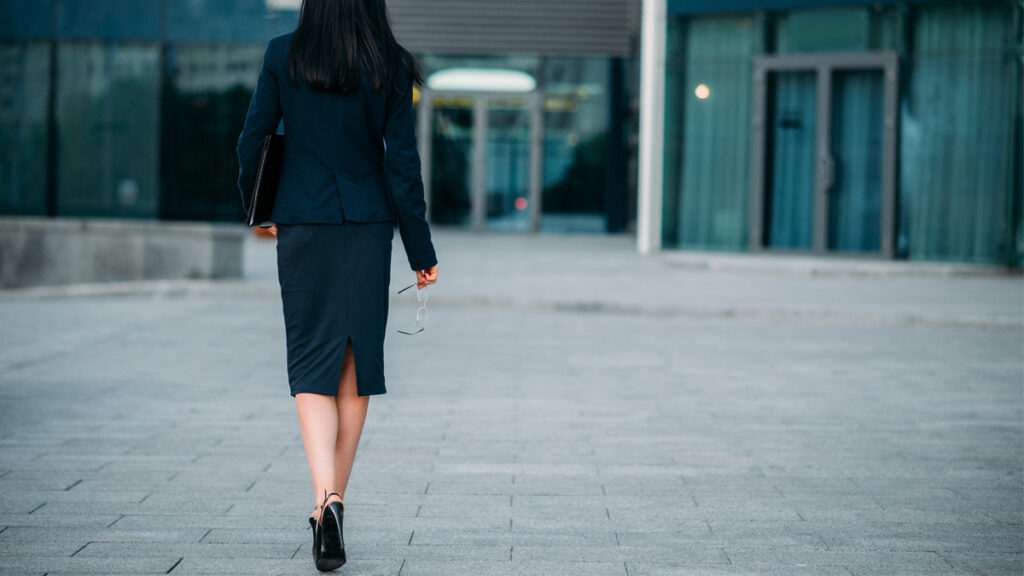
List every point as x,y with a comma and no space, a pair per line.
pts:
478,166
823,65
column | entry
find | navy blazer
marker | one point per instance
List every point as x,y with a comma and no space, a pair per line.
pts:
342,153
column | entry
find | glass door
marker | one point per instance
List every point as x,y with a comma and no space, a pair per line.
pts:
823,153
481,159
451,134
855,194
790,185
508,164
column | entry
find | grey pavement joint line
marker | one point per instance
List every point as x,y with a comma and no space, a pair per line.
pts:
944,559
73,484
175,565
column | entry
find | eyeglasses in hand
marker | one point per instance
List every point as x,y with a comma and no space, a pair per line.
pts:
421,312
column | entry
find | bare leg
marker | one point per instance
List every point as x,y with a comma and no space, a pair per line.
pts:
318,420
351,414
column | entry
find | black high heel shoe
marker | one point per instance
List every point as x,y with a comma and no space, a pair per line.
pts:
328,543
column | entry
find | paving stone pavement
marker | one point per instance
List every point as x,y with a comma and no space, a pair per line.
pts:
572,409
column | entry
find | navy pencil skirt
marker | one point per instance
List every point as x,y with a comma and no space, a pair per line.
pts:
334,289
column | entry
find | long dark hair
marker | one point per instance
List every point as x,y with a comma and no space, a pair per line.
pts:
335,39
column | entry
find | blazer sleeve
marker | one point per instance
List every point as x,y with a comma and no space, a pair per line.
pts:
262,118
402,165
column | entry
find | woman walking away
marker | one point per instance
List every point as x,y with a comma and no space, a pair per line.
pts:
343,86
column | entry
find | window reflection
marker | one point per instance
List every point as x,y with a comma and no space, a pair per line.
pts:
24,82
707,133
209,92
108,118
247,20
576,111
135,19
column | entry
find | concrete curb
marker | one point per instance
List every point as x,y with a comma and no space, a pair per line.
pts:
186,289
830,266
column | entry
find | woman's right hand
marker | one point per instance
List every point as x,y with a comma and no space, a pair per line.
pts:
426,277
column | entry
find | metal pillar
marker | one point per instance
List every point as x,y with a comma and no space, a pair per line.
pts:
652,133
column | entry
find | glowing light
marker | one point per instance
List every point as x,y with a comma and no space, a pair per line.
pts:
702,91
522,203
481,80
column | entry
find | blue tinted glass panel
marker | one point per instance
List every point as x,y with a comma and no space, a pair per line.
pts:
239,20
24,90
707,131
791,141
855,200
108,120
575,143
451,160
507,176
957,135
205,105
137,19
21,18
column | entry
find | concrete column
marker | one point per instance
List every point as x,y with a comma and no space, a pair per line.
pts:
652,129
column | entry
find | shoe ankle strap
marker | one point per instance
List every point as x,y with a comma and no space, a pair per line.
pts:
328,495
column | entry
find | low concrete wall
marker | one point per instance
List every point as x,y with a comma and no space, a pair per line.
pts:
49,251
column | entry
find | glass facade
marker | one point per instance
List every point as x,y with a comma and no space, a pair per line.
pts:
24,135
707,130
956,127
109,128
128,108
206,93
582,147
576,135
132,108
960,125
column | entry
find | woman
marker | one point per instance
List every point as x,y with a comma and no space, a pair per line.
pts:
343,86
